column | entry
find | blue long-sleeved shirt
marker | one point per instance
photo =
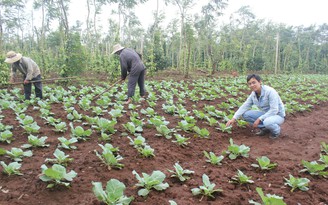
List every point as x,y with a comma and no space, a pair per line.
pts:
269,102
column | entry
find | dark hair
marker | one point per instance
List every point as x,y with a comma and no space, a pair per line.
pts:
257,77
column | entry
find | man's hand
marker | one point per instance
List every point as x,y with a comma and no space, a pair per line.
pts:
256,123
230,122
26,82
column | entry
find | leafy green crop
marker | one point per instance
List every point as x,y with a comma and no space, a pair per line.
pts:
146,151
5,127
11,168
185,126
60,158
74,115
297,183
241,178
115,113
157,121
105,126
324,147
212,158
324,159
108,157
6,136
314,168
148,182
163,130
224,128
67,143
207,189
113,194
180,173
17,154
79,133
34,141
268,199
139,141
204,133
56,175
60,127
182,141
235,150
149,112
264,163
132,128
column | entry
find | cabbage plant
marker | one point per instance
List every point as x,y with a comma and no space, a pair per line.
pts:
148,182
6,136
11,168
113,194
56,175
207,189
268,199
235,151
297,183
60,158
180,173
241,178
264,163
212,158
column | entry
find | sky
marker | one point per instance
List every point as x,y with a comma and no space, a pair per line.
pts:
289,12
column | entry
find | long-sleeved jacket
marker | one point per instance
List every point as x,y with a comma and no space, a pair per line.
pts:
130,62
269,102
27,67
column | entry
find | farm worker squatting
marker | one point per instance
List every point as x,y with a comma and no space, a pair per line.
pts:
271,113
131,63
30,71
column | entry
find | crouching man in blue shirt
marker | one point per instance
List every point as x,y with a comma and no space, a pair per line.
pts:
271,113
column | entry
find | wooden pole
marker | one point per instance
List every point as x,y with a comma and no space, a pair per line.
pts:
277,55
97,96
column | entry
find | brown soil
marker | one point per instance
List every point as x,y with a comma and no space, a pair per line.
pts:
301,138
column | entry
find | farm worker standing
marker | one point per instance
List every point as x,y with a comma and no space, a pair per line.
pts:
131,63
271,113
30,71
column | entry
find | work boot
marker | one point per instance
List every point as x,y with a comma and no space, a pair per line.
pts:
262,132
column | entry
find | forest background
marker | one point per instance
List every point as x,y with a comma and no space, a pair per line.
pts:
192,41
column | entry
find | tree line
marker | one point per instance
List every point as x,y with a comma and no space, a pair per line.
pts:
191,41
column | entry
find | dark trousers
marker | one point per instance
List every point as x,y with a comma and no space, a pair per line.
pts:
37,86
133,80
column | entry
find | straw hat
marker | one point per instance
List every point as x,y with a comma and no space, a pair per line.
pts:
12,57
116,48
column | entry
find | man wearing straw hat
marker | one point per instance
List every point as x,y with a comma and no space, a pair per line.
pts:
131,63
30,71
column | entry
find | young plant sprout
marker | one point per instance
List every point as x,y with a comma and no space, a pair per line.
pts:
148,182
268,199
264,163
235,151
56,175
180,173
207,189
113,194
241,178
212,158
11,168
297,183
180,140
